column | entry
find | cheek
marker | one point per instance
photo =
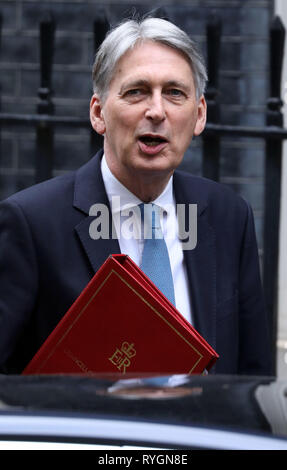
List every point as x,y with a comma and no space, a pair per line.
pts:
120,131
183,130
124,114
128,119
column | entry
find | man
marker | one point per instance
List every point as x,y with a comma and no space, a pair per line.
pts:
148,103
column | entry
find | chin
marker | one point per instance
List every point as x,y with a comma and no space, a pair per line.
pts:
154,170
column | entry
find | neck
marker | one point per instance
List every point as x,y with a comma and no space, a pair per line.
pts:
146,185
148,188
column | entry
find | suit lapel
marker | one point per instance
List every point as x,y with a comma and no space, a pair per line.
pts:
200,261
90,190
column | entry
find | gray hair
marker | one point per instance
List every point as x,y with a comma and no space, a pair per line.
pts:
129,33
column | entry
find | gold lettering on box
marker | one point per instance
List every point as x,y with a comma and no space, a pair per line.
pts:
84,368
121,357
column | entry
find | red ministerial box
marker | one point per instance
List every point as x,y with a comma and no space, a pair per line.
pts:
122,324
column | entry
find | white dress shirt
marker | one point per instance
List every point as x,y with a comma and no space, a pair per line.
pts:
128,229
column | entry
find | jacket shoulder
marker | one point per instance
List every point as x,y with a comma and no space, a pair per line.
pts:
207,192
45,192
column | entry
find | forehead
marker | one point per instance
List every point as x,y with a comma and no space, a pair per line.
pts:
152,60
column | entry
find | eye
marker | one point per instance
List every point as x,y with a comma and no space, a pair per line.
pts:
175,93
134,93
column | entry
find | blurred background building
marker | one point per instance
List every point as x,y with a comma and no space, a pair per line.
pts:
239,96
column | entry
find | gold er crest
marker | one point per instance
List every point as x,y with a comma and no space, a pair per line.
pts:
122,357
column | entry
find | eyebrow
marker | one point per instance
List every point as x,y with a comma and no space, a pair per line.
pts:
142,82
178,84
133,84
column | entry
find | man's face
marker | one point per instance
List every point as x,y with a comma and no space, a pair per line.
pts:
150,113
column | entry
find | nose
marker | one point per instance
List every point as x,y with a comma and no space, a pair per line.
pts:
155,110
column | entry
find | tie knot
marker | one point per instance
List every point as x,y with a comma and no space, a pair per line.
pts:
150,215
150,221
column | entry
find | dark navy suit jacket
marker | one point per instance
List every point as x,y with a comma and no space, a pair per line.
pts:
47,257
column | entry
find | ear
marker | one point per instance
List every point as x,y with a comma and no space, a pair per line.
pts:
96,115
201,116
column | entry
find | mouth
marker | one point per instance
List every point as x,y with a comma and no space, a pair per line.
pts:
152,140
152,144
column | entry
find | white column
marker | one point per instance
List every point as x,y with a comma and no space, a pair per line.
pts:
281,10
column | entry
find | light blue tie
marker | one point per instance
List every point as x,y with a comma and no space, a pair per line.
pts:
155,260
155,263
